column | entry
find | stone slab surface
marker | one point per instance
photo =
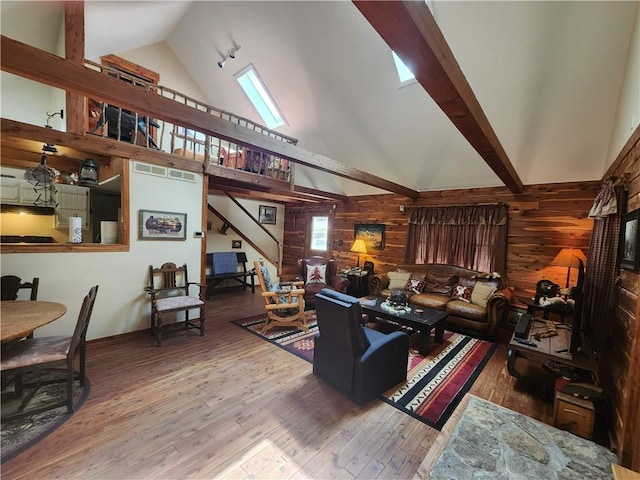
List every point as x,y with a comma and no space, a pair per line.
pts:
492,442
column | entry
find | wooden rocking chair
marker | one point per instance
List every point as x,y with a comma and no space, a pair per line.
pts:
284,302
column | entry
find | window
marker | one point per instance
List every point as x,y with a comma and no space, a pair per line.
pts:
254,88
319,233
404,74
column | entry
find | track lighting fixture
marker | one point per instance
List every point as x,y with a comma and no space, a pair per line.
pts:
231,54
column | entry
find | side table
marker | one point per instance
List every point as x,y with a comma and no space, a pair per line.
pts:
533,307
358,283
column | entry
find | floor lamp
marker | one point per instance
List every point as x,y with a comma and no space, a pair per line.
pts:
359,247
568,257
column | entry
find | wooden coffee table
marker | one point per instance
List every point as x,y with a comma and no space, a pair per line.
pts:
422,322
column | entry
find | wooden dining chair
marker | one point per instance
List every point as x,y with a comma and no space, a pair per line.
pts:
169,287
10,286
54,352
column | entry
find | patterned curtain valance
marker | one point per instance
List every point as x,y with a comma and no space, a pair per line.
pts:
497,214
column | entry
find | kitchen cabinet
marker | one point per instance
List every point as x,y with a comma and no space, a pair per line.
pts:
10,191
17,191
72,201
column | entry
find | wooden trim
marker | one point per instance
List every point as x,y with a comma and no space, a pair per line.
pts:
32,63
130,67
61,248
412,32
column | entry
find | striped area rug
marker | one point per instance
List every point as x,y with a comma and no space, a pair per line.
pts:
436,383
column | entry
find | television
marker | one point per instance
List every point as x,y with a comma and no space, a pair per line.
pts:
578,296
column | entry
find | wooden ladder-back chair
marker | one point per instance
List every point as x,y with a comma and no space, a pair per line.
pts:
11,285
284,302
169,288
36,354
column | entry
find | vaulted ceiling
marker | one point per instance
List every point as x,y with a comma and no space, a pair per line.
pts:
548,76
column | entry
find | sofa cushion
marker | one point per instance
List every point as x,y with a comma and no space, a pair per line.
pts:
461,292
430,300
415,285
467,310
443,284
481,293
397,280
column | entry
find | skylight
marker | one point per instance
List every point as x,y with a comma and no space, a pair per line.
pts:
404,73
254,88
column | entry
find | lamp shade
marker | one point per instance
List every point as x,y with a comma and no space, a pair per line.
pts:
359,246
568,257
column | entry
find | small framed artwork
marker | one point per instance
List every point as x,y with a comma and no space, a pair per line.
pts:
267,215
629,241
154,225
236,243
371,233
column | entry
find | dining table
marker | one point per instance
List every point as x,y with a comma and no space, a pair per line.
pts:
18,318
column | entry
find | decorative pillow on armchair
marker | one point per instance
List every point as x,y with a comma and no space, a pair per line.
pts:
398,280
460,292
316,274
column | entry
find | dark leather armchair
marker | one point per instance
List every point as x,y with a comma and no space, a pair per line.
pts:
360,362
315,279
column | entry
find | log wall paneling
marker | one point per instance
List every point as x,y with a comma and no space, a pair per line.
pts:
542,220
620,366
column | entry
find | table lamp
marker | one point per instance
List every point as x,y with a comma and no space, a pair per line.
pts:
568,257
359,247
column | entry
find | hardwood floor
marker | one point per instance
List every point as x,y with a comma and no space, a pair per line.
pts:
228,405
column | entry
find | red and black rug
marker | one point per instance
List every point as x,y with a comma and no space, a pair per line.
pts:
435,384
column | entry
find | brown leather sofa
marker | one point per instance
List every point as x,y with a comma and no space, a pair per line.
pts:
331,278
440,281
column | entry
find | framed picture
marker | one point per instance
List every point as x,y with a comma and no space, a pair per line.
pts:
371,233
154,225
267,215
236,243
629,241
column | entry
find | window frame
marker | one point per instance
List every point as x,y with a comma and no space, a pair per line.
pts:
310,252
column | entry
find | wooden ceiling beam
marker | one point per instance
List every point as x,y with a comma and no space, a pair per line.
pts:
411,31
44,67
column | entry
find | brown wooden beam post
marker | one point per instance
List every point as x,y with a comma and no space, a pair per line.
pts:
412,32
74,51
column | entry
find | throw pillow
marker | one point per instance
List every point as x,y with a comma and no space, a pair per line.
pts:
460,292
442,284
414,285
481,294
316,273
397,280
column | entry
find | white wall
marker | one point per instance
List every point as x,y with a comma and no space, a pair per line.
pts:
628,114
122,305
217,242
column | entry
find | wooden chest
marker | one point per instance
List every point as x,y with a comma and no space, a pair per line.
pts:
574,414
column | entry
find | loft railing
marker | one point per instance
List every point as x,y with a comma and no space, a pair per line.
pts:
112,121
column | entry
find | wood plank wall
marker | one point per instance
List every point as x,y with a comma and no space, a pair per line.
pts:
620,367
542,220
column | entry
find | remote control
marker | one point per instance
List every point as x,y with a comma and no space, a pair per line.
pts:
526,342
